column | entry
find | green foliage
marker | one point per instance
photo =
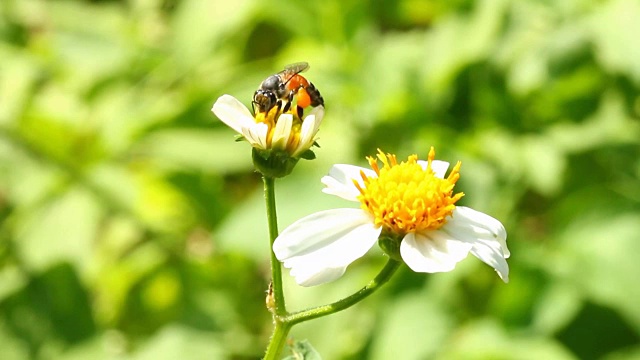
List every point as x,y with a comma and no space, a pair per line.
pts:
132,225
302,350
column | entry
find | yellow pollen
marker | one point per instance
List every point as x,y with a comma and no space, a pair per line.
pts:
406,198
270,118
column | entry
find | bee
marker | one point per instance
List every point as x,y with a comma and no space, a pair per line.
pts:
280,89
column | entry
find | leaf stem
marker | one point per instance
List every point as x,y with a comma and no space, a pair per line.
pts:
383,276
284,323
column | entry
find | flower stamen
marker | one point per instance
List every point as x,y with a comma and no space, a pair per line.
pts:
271,118
405,197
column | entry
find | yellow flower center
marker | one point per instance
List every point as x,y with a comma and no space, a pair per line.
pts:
270,118
406,198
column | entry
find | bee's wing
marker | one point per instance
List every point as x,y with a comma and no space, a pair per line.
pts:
296,68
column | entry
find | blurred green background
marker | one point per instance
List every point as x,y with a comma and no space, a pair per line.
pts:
133,227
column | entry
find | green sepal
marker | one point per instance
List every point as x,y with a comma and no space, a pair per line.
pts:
390,244
308,155
273,163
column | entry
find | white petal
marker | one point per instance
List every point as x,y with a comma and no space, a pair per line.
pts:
432,251
282,132
233,113
439,167
486,235
256,134
307,132
318,115
339,182
483,223
314,275
318,112
319,247
310,125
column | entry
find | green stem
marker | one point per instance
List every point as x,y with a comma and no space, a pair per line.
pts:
281,330
284,323
276,269
383,276
278,339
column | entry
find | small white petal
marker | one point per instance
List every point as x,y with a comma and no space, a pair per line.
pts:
319,247
310,125
439,167
250,135
339,182
233,113
486,235
282,132
318,113
256,134
307,132
432,251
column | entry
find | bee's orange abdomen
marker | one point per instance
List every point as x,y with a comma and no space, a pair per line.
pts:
296,82
304,99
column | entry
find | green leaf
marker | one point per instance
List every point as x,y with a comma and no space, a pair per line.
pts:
414,326
302,350
614,30
62,230
53,306
198,26
600,254
197,149
180,342
489,340
14,347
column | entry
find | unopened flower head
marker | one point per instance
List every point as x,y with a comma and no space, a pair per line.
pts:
408,207
279,138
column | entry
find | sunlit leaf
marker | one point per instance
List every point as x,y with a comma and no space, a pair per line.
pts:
488,340
178,342
62,230
613,29
412,326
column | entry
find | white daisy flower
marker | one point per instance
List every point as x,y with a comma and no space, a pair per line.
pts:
272,130
408,205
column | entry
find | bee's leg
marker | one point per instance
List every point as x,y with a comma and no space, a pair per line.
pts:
300,111
287,106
